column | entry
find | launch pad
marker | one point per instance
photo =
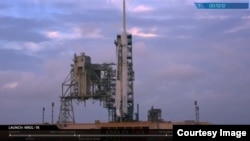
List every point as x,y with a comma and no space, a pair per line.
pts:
113,87
112,84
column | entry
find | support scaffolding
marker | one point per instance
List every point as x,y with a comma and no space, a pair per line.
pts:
197,113
87,81
98,82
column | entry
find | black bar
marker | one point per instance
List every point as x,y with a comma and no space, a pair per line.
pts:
52,133
28,127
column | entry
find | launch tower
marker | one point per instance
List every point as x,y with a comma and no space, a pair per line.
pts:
101,82
124,94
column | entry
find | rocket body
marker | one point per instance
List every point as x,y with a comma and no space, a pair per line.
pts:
118,92
121,96
124,73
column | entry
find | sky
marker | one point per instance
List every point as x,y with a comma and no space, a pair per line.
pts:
180,53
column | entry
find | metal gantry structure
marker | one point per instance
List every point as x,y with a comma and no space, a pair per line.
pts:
112,87
86,81
197,112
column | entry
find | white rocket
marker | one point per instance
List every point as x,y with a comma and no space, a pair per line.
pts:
122,71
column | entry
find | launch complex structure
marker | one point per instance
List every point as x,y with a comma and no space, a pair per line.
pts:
111,84
114,88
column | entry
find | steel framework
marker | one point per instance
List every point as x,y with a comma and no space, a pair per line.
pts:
100,77
99,82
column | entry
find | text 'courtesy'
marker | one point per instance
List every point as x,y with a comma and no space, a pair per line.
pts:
211,132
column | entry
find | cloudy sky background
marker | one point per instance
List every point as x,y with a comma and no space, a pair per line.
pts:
181,54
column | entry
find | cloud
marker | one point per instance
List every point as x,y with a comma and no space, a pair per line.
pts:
3,6
27,88
140,49
245,17
21,29
211,17
23,46
141,8
179,72
12,59
138,32
243,26
57,35
11,85
115,3
77,32
89,32
53,34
